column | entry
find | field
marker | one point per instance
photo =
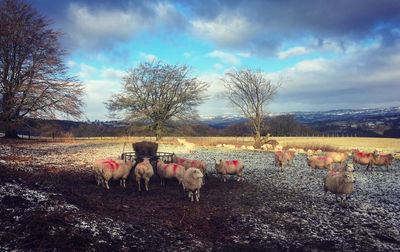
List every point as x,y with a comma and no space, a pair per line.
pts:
49,200
342,143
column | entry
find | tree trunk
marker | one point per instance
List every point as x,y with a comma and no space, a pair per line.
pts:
158,130
257,140
10,130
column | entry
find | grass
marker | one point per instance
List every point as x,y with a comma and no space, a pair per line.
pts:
323,143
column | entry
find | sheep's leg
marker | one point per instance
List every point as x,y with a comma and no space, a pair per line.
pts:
124,182
106,184
197,195
240,176
146,181
191,196
223,177
138,183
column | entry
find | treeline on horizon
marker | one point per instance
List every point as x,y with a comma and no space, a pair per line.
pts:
283,125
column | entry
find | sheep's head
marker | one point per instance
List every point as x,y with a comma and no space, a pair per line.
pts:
218,165
159,162
348,177
349,167
197,174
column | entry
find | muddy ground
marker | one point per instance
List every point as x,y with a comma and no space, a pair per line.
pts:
49,201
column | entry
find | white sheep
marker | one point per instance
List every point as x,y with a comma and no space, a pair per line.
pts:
116,169
192,181
144,170
339,183
166,171
187,163
229,167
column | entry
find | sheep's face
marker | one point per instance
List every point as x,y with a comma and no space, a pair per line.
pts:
218,165
159,162
197,174
349,177
349,167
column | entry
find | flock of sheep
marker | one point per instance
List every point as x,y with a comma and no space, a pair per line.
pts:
339,178
190,173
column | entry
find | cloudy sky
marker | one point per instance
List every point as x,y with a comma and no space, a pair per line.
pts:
330,54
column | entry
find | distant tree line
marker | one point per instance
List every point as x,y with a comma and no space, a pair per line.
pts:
284,125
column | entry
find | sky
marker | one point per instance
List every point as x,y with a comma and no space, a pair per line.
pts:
328,54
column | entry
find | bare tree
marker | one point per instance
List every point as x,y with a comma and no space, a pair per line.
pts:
156,93
33,78
250,91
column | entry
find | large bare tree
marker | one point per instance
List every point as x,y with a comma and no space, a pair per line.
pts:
33,78
251,91
156,92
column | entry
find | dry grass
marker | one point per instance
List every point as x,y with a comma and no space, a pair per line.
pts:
323,143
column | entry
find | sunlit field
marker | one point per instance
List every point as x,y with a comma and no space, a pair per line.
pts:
339,143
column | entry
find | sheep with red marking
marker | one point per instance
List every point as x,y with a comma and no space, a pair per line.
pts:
291,153
363,158
383,160
337,157
281,159
167,171
319,162
116,169
229,167
192,182
144,171
187,163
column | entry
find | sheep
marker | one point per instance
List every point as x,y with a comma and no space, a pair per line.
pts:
187,163
338,167
144,170
106,169
291,153
172,170
337,157
229,167
383,160
281,159
320,162
363,158
339,183
272,142
192,181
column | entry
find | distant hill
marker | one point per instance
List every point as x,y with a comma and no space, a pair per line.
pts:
358,122
345,122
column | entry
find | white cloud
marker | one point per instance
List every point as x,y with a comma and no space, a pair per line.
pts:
71,64
224,57
315,65
225,29
88,24
86,71
98,92
295,51
111,73
148,57
99,27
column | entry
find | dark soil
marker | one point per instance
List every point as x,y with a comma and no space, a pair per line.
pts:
77,215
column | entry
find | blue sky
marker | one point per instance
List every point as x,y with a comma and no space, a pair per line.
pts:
330,54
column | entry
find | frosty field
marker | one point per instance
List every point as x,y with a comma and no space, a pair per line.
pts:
49,200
